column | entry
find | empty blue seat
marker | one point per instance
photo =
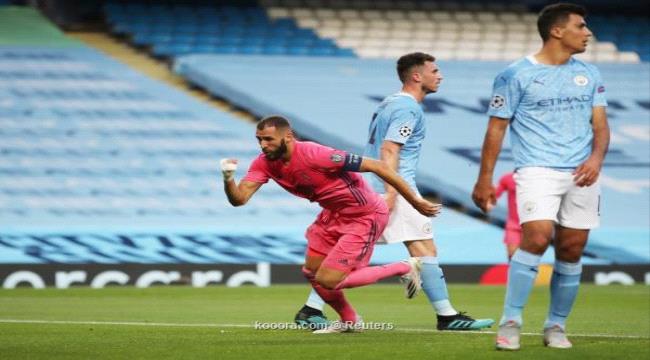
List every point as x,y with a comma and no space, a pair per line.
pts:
275,50
298,50
226,49
251,49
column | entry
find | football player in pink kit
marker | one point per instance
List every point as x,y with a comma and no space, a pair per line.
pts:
512,236
341,240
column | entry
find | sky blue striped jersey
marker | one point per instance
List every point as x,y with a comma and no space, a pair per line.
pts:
550,110
399,118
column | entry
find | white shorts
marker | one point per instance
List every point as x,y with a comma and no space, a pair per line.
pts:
547,194
406,224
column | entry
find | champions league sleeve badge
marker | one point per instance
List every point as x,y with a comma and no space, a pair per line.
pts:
497,102
405,131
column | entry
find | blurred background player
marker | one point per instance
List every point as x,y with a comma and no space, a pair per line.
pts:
512,233
341,240
395,135
559,133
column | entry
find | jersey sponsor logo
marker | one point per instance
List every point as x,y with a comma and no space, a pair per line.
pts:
337,158
581,80
405,131
497,102
565,101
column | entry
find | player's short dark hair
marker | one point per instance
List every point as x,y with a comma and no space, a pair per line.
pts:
409,61
556,14
277,121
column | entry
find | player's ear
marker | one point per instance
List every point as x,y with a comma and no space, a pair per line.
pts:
557,31
416,75
288,135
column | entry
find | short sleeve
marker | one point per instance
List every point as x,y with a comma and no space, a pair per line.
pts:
325,158
402,125
506,94
599,89
257,172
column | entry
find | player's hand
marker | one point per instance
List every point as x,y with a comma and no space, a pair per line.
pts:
228,167
427,208
390,198
587,173
484,196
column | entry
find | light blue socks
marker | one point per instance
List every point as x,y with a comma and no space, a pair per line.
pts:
435,286
565,282
521,278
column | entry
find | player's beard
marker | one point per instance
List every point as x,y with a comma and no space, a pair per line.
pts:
274,155
428,90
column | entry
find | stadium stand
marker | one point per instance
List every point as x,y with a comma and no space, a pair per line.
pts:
488,31
103,165
171,30
629,33
90,146
338,109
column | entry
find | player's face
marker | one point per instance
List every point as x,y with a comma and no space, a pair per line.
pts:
431,77
576,34
272,141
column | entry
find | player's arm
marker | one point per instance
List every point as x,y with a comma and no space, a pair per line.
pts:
483,194
386,173
238,194
587,173
389,153
501,187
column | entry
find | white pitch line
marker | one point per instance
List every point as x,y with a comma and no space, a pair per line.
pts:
160,324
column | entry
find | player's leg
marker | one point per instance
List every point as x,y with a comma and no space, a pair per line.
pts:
335,298
521,278
565,281
346,265
538,201
578,214
319,242
512,239
510,250
311,315
435,287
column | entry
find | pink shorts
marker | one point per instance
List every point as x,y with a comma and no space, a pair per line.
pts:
512,235
346,241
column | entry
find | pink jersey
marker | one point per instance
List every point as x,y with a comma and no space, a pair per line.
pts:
315,172
507,183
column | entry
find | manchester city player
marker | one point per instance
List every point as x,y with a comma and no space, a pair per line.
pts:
555,106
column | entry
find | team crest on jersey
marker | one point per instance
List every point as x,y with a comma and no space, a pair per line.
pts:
581,80
427,228
337,158
497,102
530,207
405,131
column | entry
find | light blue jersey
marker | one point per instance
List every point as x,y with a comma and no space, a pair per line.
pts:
399,118
550,110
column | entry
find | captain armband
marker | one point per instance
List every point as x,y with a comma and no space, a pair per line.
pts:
352,162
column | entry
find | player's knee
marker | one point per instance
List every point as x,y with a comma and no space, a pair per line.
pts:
327,281
569,253
535,243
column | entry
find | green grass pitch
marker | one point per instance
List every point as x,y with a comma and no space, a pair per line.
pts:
608,322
